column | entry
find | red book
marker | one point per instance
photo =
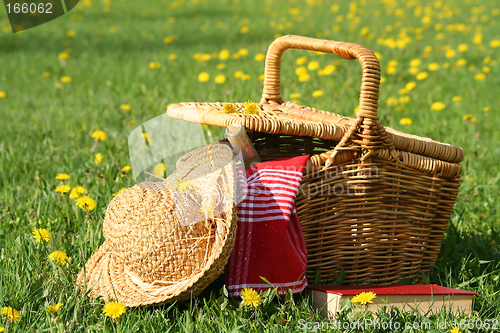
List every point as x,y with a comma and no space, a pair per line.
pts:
406,297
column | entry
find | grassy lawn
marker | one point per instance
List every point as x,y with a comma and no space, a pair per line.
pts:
64,80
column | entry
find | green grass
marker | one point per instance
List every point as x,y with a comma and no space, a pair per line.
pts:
45,131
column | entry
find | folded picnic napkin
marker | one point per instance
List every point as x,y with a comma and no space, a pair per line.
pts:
269,240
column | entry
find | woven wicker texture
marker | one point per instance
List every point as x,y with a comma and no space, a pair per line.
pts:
374,201
167,241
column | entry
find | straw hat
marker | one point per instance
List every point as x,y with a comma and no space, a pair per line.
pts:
167,241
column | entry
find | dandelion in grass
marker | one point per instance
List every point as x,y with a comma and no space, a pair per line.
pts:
251,298
119,191
391,70
356,110
317,93
172,56
154,65
63,176
295,96
77,191
313,65
457,98
437,106
126,168
260,56
422,76
41,235
415,62
329,69
63,189
301,61
65,79
219,79
2,329
364,298
410,85
85,202
261,77
12,314
2,94
224,54
220,66
455,330
125,107
99,135
114,310
463,48
57,86
480,77
243,52
433,67
98,158
244,29
405,121
414,71
494,43
486,109
59,257
304,77
52,309
63,56
469,117
45,75
238,74
203,77
461,62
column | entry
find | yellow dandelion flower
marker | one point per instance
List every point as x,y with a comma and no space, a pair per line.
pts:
65,79
356,110
480,77
260,56
224,54
220,66
455,330
71,33
405,121
251,108
317,93
230,108
391,70
382,80
154,65
86,202
486,109
463,48
119,191
99,135
244,29
172,56
246,77
410,85
203,77
238,74
98,158
460,62
413,71
438,106
392,101
300,70
301,61
126,168
433,67
125,107
57,86
59,257
467,116
114,309
41,235
392,63
295,96
422,76
478,38
261,77
12,314
159,170
378,55
457,98
2,329
313,65
364,298
494,43
415,62
63,176
304,77
63,188
45,75
52,309
63,55
77,191
485,69
403,91
329,69
251,298
450,53
113,30
220,79
404,99
243,52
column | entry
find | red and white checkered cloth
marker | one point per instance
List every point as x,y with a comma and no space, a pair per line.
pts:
269,240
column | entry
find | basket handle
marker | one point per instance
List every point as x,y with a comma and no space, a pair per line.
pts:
367,116
368,101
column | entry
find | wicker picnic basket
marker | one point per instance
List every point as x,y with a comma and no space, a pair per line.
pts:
373,201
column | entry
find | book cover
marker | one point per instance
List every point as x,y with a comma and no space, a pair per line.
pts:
428,297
